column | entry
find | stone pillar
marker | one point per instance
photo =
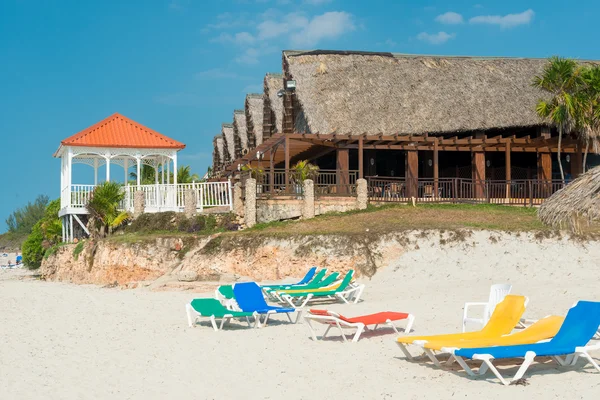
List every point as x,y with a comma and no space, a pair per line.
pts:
139,203
362,194
190,203
308,202
250,204
238,202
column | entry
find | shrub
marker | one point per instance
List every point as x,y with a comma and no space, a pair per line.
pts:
78,249
32,249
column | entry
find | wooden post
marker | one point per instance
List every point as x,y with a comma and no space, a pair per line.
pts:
478,172
436,172
272,171
343,169
360,158
287,163
507,162
412,173
577,161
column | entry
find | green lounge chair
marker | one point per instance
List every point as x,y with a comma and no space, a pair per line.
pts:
343,291
328,281
314,281
213,309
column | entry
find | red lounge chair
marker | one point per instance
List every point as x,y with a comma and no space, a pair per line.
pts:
332,319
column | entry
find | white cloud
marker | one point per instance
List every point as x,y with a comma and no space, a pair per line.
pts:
249,56
450,18
330,25
505,21
435,38
270,29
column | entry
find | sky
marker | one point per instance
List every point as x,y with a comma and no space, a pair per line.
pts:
181,67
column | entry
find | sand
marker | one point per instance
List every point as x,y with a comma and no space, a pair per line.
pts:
63,341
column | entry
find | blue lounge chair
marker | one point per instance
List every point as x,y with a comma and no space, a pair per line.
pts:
310,276
249,298
579,327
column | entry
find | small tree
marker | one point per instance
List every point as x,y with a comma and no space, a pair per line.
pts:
304,170
103,207
254,172
560,79
184,175
588,108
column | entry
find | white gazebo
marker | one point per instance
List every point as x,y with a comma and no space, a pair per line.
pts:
117,140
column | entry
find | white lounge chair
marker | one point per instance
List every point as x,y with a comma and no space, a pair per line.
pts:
497,294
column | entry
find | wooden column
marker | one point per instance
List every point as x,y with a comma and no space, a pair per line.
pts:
343,168
412,173
436,170
360,158
507,165
478,173
272,170
287,162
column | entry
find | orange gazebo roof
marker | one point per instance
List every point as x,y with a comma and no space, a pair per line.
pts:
120,131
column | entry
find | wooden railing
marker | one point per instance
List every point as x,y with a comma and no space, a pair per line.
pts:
457,190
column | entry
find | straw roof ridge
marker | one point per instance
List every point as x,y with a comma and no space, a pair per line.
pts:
357,92
274,83
577,202
254,107
228,141
218,152
240,132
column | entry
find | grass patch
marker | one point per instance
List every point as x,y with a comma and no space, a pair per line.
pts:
78,249
400,217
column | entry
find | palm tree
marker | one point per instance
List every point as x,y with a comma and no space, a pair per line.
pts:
560,79
147,177
103,207
184,175
589,109
304,170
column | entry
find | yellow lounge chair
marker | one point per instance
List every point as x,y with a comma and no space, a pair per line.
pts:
502,321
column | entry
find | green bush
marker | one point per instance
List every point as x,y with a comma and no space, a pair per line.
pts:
78,249
32,249
177,222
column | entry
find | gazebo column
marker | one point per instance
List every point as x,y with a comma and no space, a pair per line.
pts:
107,168
175,170
125,168
95,171
343,169
139,171
69,175
478,172
412,173
169,171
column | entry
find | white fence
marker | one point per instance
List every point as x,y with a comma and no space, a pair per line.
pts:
159,197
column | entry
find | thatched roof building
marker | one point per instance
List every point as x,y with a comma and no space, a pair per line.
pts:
273,105
218,153
577,203
240,133
228,142
385,93
254,108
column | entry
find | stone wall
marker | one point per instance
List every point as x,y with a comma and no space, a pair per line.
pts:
268,210
334,204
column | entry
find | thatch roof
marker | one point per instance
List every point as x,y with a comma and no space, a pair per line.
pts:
240,132
229,144
354,93
218,152
273,104
577,203
254,118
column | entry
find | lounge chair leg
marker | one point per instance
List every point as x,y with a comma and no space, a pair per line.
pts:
464,365
341,296
264,323
529,356
341,331
432,357
312,330
359,331
248,321
449,361
405,351
483,368
289,318
361,288
326,331
188,311
214,323
560,361
488,361
298,314
410,320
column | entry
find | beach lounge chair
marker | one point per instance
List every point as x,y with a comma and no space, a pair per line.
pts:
315,278
331,318
213,309
497,294
330,281
249,298
579,327
342,291
503,320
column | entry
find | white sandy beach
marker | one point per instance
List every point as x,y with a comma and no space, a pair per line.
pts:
63,341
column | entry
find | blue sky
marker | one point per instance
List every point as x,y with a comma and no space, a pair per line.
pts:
182,66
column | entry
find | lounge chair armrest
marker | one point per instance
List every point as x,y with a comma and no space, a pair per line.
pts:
475,304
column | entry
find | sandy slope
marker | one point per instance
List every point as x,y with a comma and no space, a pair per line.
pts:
62,341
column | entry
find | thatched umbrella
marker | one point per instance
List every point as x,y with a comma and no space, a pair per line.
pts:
273,105
228,142
254,118
240,133
353,93
576,204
